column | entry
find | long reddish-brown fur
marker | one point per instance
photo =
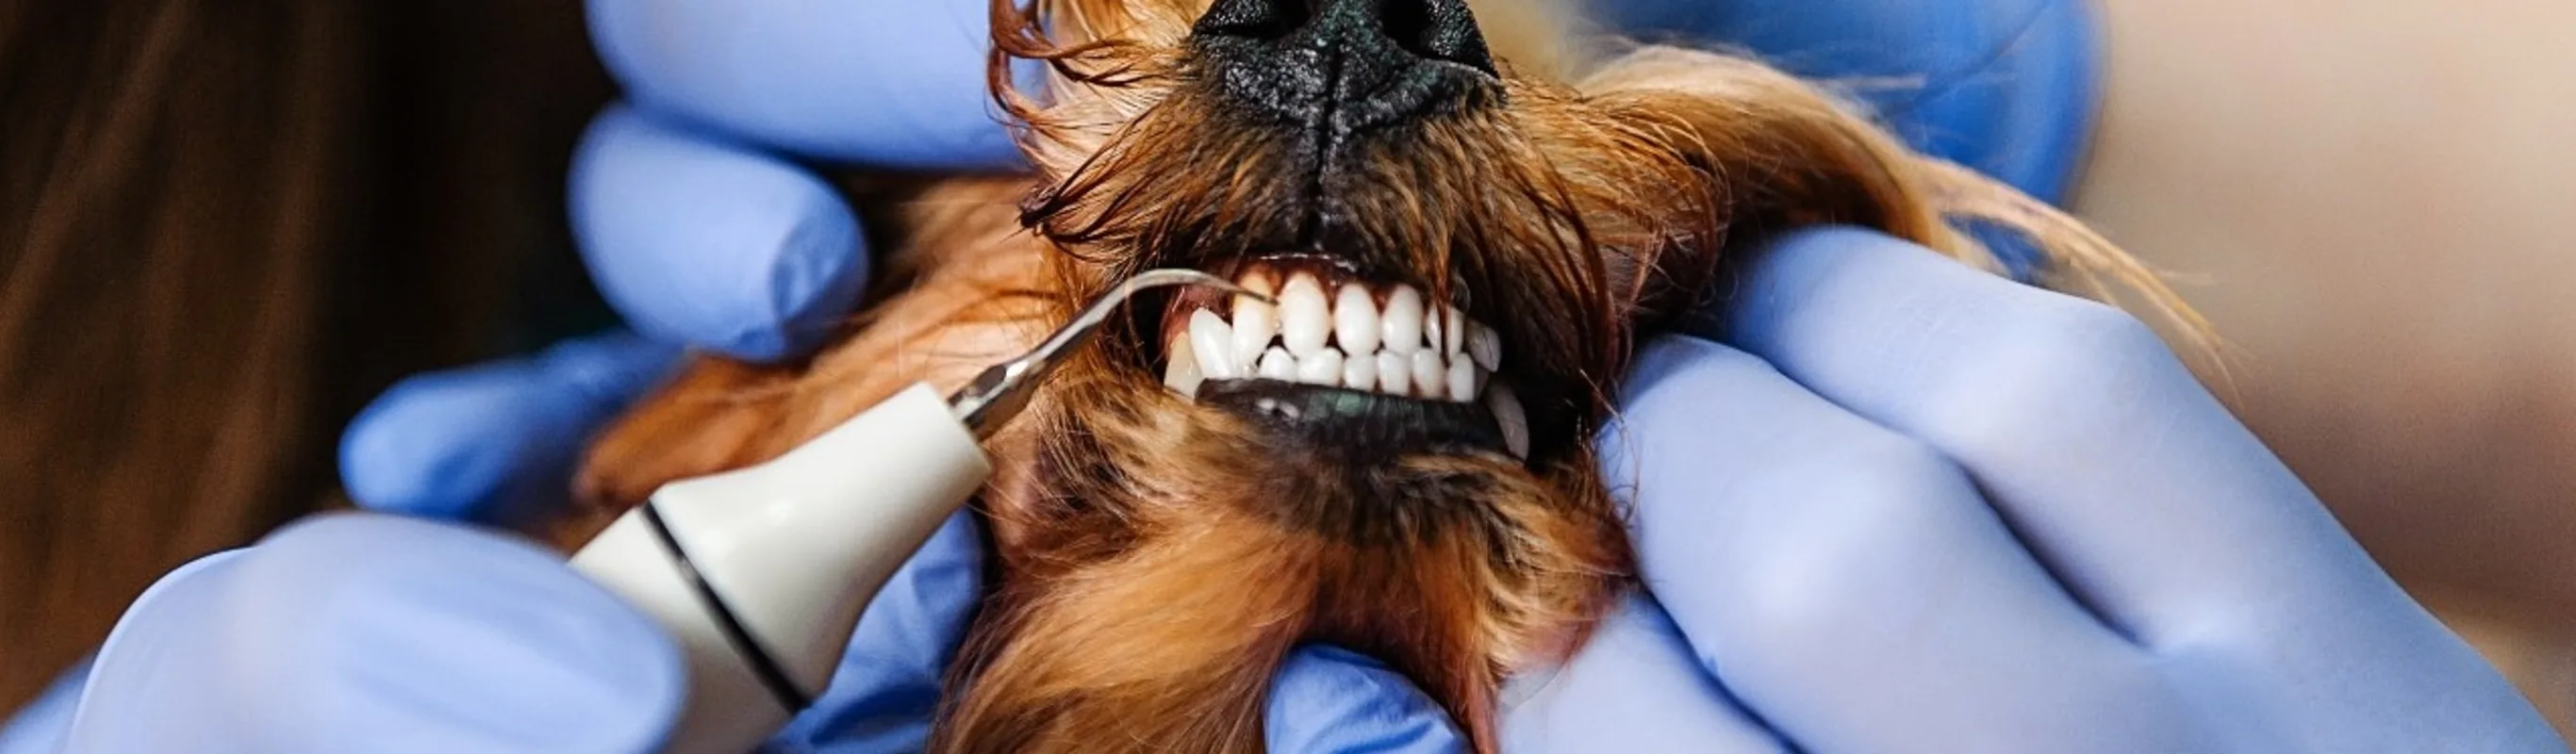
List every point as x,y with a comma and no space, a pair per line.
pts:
1157,559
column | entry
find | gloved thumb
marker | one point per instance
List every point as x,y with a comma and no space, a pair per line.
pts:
362,632
495,443
1327,699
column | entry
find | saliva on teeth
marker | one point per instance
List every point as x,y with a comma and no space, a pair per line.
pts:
1395,344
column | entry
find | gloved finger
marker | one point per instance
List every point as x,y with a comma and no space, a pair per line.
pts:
494,443
2111,461
711,245
898,84
1634,687
2140,491
359,632
887,689
1850,585
40,726
1327,699
2004,86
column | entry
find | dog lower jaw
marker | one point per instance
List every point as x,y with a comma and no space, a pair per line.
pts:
1375,425
1231,548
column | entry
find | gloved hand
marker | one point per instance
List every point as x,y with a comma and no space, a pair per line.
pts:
1907,506
362,632
2008,87
2003,86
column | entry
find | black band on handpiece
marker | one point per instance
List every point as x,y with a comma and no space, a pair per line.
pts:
762,665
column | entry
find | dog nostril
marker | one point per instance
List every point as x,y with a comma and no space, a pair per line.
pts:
1441,30
1435,29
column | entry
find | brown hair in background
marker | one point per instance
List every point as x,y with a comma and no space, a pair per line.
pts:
223,227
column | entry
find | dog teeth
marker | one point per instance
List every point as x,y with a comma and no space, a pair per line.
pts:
1322,367
1213,342
1509,414
1402,323
1355,320
1394,373
1430,377
1255,322
1305,317
1276,364
1344,337
1447,330
1185,372
1360,372
1462,380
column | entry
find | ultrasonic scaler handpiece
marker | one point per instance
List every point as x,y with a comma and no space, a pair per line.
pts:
761,572
1001,390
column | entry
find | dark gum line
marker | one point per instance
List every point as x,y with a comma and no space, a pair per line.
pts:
1379,422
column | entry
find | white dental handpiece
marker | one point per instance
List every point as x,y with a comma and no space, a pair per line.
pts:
761,572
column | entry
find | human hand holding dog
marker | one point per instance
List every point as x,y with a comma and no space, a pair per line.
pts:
1900,505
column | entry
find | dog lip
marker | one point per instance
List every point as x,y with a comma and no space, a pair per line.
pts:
1336,417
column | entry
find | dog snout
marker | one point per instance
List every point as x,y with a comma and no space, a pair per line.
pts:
1345,65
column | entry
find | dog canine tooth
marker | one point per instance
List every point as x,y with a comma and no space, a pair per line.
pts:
1401,324
1185,372
1255,322
1462,380
1305,316
1213,341
1276,364
1359,372
1355,324
1485,346
1508,413
1430,375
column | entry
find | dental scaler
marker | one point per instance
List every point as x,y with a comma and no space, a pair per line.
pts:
761,572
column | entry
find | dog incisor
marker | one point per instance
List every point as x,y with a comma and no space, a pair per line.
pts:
1467,217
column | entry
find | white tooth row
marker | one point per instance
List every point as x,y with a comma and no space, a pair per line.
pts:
1346,339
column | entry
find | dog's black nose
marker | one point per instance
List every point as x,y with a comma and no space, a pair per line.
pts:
1344,65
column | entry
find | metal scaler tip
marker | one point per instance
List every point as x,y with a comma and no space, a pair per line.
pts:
1002,390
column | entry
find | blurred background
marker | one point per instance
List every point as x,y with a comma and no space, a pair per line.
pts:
2373,198
225,226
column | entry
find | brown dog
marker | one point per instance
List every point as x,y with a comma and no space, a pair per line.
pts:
1467,225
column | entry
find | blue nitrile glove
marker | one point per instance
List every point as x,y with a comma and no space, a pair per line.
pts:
369,632
1911,507
2004,86
2008,87
364,632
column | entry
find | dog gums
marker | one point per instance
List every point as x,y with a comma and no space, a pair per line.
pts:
1156,557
